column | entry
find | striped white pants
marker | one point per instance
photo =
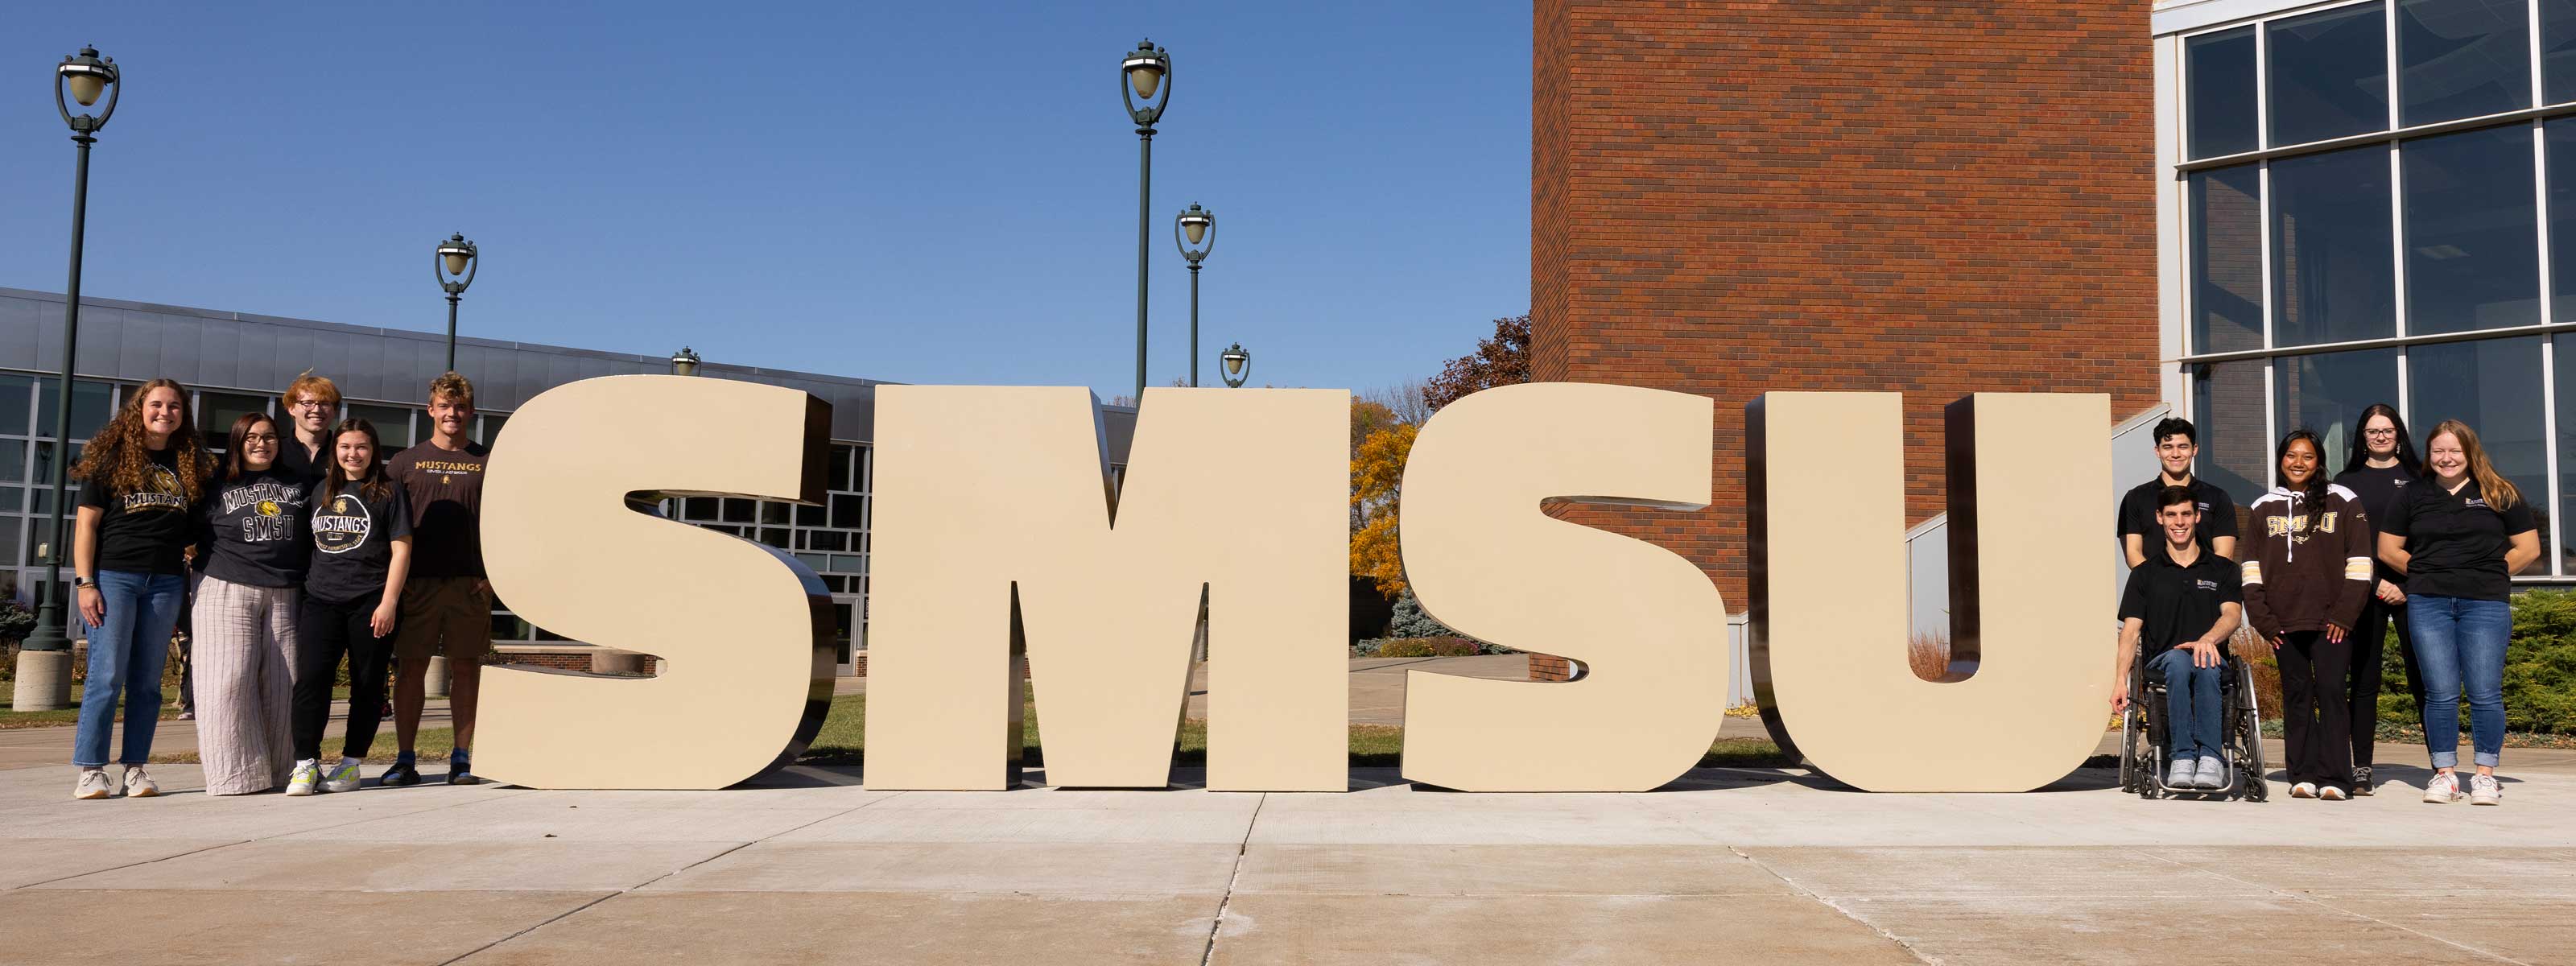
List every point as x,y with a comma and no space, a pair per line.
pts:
244,650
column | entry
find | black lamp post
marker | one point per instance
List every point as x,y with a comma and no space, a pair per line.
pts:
1196,226
1238,365
455,263
81,77
684,362
1146,70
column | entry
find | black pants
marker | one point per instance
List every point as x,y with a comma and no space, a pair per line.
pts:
2316,695
2368,672
324,633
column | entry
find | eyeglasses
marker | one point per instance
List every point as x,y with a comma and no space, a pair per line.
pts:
259,438
308,404
2379,432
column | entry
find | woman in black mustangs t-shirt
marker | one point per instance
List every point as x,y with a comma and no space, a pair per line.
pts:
140,477
2459,536
361,553
2378,468
242,628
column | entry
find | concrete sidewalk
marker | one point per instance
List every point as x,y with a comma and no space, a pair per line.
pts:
1727,865
35,747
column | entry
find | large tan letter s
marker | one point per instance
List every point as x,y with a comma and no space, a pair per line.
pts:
1484,560
744,631
2028,475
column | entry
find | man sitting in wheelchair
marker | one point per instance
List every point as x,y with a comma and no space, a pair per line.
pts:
2180,607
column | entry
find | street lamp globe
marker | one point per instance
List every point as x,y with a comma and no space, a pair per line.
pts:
457,255
1196,225
1146,68
82,78
684,362
1238,365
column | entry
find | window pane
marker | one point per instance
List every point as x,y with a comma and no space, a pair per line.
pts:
91,407
2334,275
2561,137
393,424
491,428
813,516
2327,392
17,405
839,477
2329,74
2494,386
216,412
737,511
2462,58
775,513
2472,231
2558,50
2227,259
845,511
2220,70
2566,437
827,540
2227,409
13,461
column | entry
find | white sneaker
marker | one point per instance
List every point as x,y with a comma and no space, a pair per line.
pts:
2331,793
138,784
2484,791
2185,774
93,785
300,783
2304,790
344,778
2443,789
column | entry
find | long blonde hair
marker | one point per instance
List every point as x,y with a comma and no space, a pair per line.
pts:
2499,492
118,456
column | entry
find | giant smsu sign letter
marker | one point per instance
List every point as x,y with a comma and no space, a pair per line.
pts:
1000,538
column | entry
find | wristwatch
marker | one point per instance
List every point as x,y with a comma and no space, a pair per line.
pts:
80,581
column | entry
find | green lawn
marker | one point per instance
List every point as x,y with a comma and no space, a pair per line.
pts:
843,741
11,718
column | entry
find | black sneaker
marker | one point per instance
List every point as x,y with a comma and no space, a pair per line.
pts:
2361,781
402,774
461,772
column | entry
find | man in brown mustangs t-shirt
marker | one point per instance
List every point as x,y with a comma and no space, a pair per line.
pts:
446,601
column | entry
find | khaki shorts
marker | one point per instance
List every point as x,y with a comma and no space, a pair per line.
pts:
443,610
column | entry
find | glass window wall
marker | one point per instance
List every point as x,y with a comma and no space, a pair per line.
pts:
2333,277
2328,74
2326,392
2462,58
2221,69
2494,386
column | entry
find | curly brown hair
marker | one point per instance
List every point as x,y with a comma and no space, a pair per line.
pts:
118,455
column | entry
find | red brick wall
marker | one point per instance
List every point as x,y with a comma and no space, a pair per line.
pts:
1728,198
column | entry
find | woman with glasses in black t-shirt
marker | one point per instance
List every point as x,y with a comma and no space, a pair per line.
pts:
253,551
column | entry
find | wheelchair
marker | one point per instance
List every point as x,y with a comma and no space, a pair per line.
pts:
2144,739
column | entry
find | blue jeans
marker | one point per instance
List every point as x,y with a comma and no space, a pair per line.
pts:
126,654
2459,642
2192,705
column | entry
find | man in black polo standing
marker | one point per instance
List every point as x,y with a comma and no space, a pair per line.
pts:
2177,445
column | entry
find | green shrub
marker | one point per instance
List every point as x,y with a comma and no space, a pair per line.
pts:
1411,621
1430,647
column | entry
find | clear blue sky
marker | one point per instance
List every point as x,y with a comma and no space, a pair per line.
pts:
913,192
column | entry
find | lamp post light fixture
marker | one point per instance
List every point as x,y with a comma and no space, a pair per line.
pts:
1238,365
1145,71
1197,226
457,260
685,362
44,671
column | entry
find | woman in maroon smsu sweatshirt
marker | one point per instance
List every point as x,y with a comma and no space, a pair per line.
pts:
2305,583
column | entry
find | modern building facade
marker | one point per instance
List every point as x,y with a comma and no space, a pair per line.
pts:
2372,201
234,363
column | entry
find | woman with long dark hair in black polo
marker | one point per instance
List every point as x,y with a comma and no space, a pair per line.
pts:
2378,468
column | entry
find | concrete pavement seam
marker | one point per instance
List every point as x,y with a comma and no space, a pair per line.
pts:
738,846
1207,956
227,845
2320,903
1836,907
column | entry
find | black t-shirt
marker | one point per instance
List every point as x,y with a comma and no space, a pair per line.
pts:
445,488
2178,604
2379,489
146,531
2455,543
353,540
294,461
2138,515
253,529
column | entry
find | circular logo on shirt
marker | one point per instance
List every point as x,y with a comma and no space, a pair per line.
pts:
342,525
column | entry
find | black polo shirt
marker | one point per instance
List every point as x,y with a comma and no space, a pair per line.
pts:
2455,542
2178,604
2138,514
294,461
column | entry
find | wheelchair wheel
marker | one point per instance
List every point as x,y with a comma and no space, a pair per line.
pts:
2249,731
2129,749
